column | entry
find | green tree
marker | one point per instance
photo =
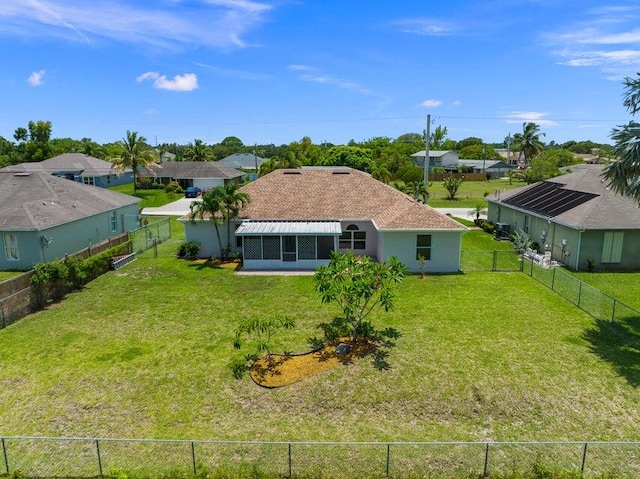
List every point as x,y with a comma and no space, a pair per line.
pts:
472,140
197,151
623,175
479,152
439,140
232,200
528,142
209,207
260,332
358,285
134,153
351,156
478,210
452,185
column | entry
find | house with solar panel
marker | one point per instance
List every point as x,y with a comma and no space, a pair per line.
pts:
295,218
575,217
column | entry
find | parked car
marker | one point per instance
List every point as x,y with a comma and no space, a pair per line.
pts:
192,192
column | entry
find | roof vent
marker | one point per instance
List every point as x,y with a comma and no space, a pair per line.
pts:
341,172
22,173
291,172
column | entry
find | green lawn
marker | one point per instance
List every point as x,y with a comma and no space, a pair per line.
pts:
144,352
470,193
150,198
622,286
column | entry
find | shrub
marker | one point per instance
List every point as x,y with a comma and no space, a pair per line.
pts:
189,249
173,187
591,265
487,226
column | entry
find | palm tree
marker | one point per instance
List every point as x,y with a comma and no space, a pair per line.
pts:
478,210
135,153
232,200
198,151
210,207
624,174
528,142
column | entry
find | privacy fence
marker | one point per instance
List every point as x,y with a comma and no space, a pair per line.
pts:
84,457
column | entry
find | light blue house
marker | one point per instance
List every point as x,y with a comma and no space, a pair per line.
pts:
78,167
44,217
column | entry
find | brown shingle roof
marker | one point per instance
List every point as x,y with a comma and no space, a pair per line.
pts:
334,194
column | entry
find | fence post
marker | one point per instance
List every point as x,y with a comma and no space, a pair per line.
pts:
579,292
584,458
99,457
485,470
290,461
553,279
613,310
388,459
494,267
2,314
531,270
6,457
193,457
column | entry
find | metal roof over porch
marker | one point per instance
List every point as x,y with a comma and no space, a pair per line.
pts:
249,228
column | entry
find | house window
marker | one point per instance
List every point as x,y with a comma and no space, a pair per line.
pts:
612,246
238,238
306,247
11,251
527,223
88,180
271,247
353,238
114,221
289,250
423,247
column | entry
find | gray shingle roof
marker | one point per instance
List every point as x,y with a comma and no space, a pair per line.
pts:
338,193
242,161
194,169
607,210
37,200
67,162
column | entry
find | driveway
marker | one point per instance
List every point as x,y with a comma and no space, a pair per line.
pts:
181,208
177,208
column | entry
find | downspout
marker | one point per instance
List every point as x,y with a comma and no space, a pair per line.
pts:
578,251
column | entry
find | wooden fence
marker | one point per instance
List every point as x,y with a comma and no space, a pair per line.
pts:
17,299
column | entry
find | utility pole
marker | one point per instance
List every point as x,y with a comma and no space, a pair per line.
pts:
426,157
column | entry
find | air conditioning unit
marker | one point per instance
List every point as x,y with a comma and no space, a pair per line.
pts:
503,231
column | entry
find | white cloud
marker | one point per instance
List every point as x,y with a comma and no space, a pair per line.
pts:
299,68
35,79
425,26
529,116
431,103
213,23
186,82
456,103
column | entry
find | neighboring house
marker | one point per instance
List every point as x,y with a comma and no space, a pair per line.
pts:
247,162
78,167
44,217
296,217
437,159
203,174
576,217
496,169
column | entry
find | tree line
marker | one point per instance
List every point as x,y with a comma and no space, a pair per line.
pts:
384,157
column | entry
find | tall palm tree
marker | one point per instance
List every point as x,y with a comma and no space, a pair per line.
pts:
135,153
232,201
624,174
198,151
528,142
209,207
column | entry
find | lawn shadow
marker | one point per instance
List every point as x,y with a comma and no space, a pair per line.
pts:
372,342
618,342
209,263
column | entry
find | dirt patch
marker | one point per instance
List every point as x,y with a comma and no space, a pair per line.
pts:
287,369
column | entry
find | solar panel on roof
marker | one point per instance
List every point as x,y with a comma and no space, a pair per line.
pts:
549,199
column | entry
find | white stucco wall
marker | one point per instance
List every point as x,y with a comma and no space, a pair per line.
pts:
445,249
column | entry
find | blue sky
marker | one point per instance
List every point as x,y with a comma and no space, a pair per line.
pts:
334,70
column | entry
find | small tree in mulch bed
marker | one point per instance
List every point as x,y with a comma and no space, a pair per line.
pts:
358,285
259,331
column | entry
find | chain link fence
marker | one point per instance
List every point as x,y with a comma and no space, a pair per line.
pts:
85,457
150,234
591,300
490,260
